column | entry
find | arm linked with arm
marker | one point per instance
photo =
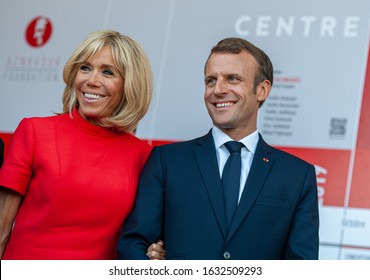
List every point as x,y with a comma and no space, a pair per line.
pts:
143,227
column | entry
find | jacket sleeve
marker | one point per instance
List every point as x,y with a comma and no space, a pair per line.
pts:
303,241
144,224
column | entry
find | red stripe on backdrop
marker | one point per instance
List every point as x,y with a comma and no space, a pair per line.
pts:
160,142
331,172
360,187
331,169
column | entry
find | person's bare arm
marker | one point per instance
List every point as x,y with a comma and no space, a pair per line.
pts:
9,204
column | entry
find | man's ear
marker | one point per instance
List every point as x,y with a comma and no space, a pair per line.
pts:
263,90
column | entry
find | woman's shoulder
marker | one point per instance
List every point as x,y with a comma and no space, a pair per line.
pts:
37,121
42,119
40,123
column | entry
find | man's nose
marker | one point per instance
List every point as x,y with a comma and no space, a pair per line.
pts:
220,87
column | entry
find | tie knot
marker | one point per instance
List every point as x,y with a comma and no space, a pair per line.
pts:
234,146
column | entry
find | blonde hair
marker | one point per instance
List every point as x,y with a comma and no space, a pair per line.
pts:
134,67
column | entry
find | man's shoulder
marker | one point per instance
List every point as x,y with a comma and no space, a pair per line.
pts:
282,155
288,157
183,145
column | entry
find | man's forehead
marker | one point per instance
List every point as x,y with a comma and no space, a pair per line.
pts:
230,63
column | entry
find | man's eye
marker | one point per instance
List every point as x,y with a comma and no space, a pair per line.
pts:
210,81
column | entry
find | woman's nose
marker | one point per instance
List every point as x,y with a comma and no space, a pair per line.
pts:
94,79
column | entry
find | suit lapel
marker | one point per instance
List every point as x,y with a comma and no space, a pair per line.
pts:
259,170
205,154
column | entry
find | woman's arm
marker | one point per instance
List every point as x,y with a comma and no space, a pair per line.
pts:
9,204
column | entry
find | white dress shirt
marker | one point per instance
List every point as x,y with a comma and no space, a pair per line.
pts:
247,153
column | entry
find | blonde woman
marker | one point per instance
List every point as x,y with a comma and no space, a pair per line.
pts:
69,180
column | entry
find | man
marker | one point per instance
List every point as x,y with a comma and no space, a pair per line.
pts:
181,194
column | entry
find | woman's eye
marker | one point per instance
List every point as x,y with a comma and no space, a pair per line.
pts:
84,68
108,72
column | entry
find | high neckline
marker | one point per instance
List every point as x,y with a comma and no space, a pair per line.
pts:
90,128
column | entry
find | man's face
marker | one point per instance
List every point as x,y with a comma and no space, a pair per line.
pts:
229,97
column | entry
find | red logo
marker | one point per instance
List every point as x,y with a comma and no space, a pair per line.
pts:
38,31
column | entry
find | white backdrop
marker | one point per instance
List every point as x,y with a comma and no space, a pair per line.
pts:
316,109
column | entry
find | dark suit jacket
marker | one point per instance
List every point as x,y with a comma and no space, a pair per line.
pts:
180,201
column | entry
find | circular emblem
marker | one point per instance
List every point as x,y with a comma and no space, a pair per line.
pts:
38,31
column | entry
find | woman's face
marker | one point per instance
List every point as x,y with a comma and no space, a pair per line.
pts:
99,86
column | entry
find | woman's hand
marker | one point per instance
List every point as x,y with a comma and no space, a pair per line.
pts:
156,251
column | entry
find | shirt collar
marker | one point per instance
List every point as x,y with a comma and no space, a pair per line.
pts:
249,141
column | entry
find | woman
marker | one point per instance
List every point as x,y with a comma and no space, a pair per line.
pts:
69,180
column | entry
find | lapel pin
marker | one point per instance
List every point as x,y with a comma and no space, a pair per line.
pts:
265,159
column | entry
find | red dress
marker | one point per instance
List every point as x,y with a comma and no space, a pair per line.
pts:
79,183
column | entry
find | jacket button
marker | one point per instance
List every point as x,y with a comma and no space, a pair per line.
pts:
227,255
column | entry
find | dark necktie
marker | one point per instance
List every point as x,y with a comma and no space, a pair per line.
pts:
231,179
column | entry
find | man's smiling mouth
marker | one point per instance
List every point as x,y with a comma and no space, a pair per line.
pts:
225,104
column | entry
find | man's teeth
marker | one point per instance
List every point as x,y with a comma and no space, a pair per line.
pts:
227,104
92,96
